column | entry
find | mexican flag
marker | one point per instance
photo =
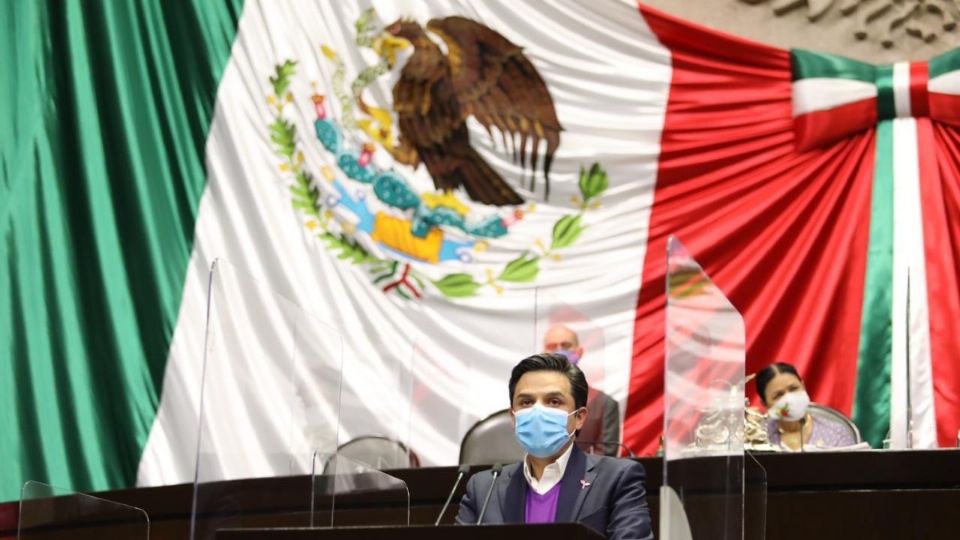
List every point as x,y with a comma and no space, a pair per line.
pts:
437,194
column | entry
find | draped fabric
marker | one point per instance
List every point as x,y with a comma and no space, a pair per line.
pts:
940,170
829,222
142,140
775,228
304,198
105,109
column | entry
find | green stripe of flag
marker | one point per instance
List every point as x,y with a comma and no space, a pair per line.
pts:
871,407
886,104
944,63
809,64
106,107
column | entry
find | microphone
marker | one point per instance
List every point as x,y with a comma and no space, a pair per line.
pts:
496,472
803,422
461,472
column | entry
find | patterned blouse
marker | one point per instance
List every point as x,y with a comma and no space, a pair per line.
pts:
825,434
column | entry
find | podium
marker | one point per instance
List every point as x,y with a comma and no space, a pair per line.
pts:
546,531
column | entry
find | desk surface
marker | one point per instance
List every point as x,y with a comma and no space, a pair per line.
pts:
552,531
875,494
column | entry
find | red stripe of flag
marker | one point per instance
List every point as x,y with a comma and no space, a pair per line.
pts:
919,75
945,108
939,160
820,128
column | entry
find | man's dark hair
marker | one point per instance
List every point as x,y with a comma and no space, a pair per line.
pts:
552,362
767,374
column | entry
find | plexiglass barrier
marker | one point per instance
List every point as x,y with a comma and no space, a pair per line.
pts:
704,465
578,331
437,385
350,493
754,498
375,401
486,433
270,395
50,512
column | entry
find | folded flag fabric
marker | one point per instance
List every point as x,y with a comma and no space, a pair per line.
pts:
442,181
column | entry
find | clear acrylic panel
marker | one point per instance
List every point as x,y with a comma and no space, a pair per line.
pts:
438,385
51,512
562,325
754,499
375,401
269,401
485,429
350,493
703,406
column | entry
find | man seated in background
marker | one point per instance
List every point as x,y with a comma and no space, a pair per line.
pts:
557,482
601,432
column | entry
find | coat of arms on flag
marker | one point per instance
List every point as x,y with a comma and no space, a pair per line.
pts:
362,201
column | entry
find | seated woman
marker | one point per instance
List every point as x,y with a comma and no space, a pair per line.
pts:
783,394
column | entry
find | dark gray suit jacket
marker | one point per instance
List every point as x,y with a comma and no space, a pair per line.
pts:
601,432
606,494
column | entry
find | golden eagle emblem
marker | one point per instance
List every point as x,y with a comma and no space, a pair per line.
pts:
485,76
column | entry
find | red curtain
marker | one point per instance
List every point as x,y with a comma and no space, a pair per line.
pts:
940,198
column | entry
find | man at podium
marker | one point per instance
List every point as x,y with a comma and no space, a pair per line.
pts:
557,482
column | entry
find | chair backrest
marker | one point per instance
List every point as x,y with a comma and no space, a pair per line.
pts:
490,441
379,453
830,414
601,448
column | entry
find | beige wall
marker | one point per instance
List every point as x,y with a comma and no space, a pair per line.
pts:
833,32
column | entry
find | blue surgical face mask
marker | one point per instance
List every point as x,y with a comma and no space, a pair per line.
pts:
572,356
542,431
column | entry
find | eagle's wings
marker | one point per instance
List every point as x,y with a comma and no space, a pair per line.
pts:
433,129
499,86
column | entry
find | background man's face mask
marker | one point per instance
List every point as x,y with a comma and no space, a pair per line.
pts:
542,431
572,356
791,406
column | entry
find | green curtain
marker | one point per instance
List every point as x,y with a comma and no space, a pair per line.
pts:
105,107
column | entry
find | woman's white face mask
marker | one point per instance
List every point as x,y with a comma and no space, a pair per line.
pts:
791,406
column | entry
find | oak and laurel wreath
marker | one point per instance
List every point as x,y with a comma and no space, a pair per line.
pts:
305,198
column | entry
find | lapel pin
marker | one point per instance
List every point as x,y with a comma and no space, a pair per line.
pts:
584,484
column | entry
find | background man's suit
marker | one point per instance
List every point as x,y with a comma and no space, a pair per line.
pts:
601,432
606,494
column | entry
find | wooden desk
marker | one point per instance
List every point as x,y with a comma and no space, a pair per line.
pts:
553,531
829,495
